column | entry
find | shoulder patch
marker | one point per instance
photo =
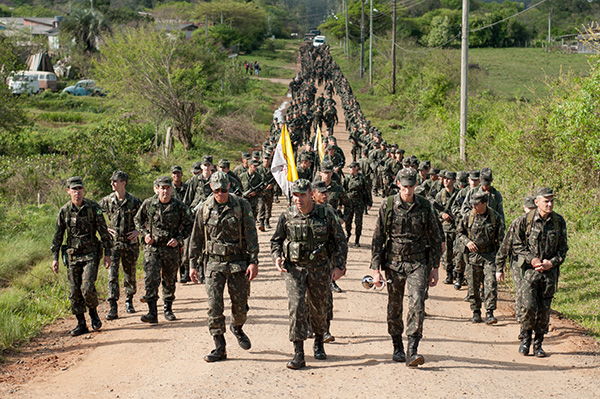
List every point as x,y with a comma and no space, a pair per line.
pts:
99,211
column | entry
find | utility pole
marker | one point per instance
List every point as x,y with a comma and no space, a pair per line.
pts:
347,31
464,80
362,39
371,46
549,23
393,46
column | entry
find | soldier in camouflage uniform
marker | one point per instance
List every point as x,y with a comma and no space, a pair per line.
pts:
443,203
307,238
359,195
252,187
234,180
305,169
406,240
265,201
179,190
198,188
466,181
506,251
164,222
225,233
541,244
121,207
81,218
482,231
246,156
179,187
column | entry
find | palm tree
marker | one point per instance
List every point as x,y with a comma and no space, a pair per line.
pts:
86,26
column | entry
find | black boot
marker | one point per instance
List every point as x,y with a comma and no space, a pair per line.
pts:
261,227
267,224
81,326
95,319
537,345
489,318
242,338
129,304
112,313
399,355
449,277
335,287
219,353
476,316
152,316
357,241
525,343
413,359
521,335
459,281
168,308
298,361
318,348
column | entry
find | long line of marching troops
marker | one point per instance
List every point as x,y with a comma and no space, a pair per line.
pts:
205,230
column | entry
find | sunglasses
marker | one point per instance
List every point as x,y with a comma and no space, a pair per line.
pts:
220,190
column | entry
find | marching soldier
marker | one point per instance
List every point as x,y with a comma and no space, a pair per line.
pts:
359,195
252,187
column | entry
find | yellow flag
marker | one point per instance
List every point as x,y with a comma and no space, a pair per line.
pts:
319,144
283,166
288,154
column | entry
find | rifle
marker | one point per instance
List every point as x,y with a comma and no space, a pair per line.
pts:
247,193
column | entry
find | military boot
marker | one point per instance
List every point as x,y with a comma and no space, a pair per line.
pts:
413,359
112,313
318,348
129,304
537,345
261,227
168,309
95,319
489,318
81,326
449,277
219,353
526,343
335,287
152,316
242,338
267,224
399,355
357,241
459,281
476,316
297,361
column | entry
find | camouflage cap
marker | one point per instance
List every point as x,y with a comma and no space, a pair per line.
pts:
330,147
196,167
74,182
478,197
163,181
407,177
462,177
266,155
401,151
450,175
219,180
529,201
435,171
406,161
305,156
474,174
119,175
544,192
332,139
320,186
423,166
224,163
246,155
354,164
327,167
207,160
255,154
254,162
420,190
486,176
300,186
176,169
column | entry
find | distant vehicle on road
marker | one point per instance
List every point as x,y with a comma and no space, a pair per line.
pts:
85,87
319,41
23,82
47,80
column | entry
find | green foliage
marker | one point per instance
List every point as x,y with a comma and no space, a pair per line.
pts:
85,26
61,117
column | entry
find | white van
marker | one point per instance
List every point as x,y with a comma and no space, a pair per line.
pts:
318,41
23,82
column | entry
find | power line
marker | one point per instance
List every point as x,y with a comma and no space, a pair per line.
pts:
507,18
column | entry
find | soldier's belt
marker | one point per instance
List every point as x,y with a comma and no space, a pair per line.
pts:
226,258
407,258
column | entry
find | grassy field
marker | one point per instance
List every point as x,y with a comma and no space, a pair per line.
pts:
276,58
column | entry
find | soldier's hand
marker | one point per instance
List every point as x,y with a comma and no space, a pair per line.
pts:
132,235
279,265
446,217
194,275
252,271
112,233
55,266
377,279
148,239
472,247
337,273
172,243
434,277
499,277
107,261
368,208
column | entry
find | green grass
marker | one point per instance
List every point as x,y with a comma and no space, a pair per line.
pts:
276,61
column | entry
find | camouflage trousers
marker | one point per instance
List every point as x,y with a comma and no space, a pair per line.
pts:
184,266
460,257
482,269
411,277
127,255
355,152
537,293
356,210
265,205
82,272
238,287
160,266
254,205
308,289
516,272
448,255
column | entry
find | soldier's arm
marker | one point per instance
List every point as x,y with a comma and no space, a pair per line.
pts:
186,225
436,237
379,239
250,234
196,246
140,219
59,233
520,245
462,231
102,229
338,238
505,247
562,248
279,237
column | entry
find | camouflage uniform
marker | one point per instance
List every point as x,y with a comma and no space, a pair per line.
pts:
298,238
252,183
121,215
162,222
443,204
226,235
83,251
359,195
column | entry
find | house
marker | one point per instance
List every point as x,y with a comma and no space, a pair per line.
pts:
33,26
177,26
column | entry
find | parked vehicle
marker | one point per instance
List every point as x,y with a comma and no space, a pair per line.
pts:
85,87
47,81
23,82
318,41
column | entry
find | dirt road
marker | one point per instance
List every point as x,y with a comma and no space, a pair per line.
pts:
130,359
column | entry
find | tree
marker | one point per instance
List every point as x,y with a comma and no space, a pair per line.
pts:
161,74
86,27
